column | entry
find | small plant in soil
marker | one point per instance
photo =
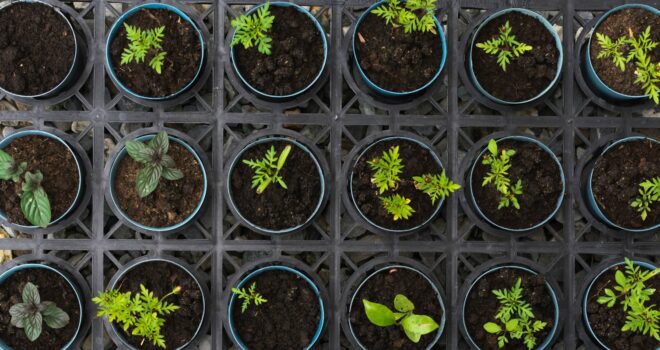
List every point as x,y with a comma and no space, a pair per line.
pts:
267,170
632,295
413,15
436,186
143,312
250,295
514,317
32,313
143,42
415,326
387,169
398,206
498,175
650,193
156,163
252,30
505,46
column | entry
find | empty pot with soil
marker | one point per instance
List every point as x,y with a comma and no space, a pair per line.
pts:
399,48
516,183
515,56
623,188
42,308
275,307
288,55
155,51
40,179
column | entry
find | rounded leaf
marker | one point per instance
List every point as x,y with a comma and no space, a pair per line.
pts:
420,324
403,304
379,314
147,180
36,207
139,151
31,294
492,328
160,143
32,325
54,317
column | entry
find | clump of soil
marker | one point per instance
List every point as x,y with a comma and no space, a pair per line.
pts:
288,321
541,186
616,178
482,305
296,55
525,76
382,288
395,60
52,287
184,54
172,202
56,163
37,48
616,25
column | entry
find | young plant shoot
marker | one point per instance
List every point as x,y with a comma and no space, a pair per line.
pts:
143,312
156,163
267,170
436,186
413,15
415,326
398,206
499,175
32,313
650,193
632,295
505,46
253,30
143,42
514,318
250,295
386,170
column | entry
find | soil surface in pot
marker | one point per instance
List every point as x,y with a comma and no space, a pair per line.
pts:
541,183
417,161
395,60
52,287
287,321
607,322
58,166
616,178
525,76
277,208
382,288
161,277
36,48
620,24
482,305
172,201
184,54
296,55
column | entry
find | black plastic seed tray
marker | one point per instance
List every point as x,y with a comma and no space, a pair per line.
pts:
338,113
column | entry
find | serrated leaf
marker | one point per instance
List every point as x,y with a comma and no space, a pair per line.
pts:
139,151
36,207
160,143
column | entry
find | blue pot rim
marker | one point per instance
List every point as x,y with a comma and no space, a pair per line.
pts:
599,82
361,154
561,174
371,84
325,51
443,320
73,286
591,198
22,133
551,291
244,280
302,147
113,170
115,28
585,314
547,25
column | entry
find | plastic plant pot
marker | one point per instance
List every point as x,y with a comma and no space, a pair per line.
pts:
591,75
70,282
113,172
115,29
550,29
591,199
386,92
318,75
441,324
560,200
232,299
9,139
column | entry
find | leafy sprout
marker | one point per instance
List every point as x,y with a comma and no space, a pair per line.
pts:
500,163
156,163
650,193
436,186
142,42
253,30
398,206
414,15
505,46
415,326
250,295
387,169
32,313
267,170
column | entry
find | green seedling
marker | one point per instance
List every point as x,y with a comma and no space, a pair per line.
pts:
505,46
156,163
436,186
500,163
267,170
253,30
32,313
413,15
387,169
143,42
415,326
649,191
250,295
398,206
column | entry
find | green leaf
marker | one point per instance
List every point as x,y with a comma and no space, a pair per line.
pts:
36,207
172,174
492,328
492,147
403,304
30,294
18,313
54,317
139,151
512,325
33,324
414,337
420,324
379,314
147,180
32,181
620,278
160,143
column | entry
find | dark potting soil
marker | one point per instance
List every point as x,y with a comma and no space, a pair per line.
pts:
287,321
541,183
277,208
616,25
161,277
52,287
181,43
482,305
395,60
616,179
296,55
36,48
607,322
417,161
172,201
57,165
525,76
382,288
